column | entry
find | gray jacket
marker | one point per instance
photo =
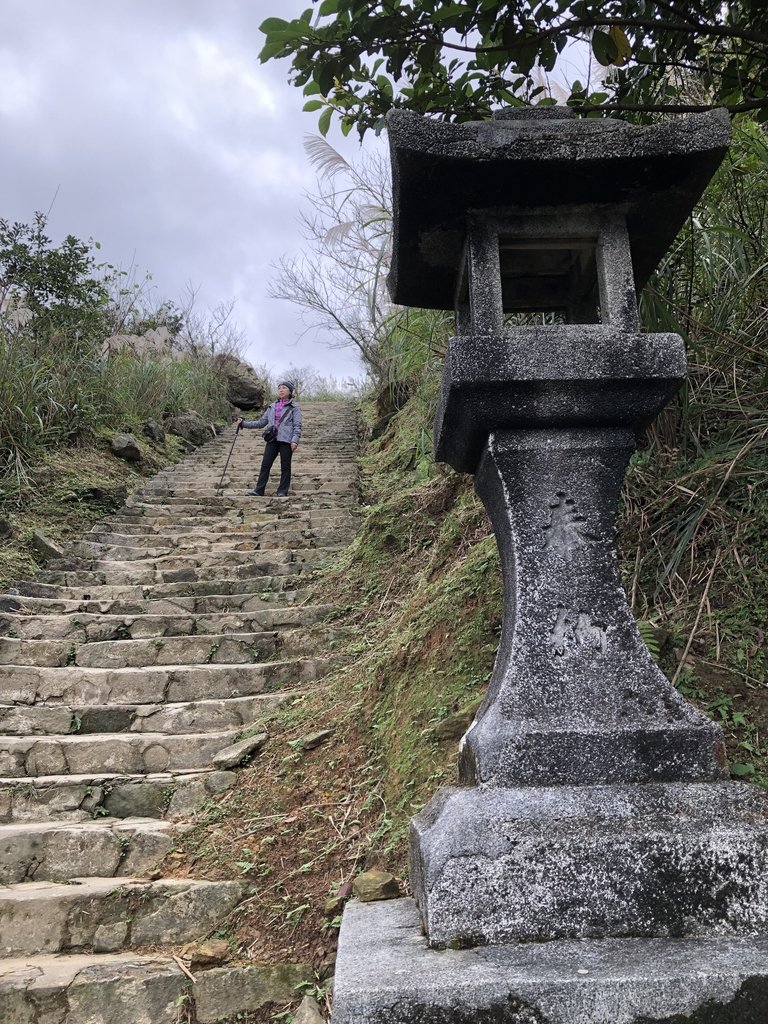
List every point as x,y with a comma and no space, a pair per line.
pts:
290,425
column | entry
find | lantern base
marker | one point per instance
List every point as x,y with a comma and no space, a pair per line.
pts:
386,974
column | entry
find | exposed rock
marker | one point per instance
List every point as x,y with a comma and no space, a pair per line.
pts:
209,953
5,529
375,885
125,446
226,992
454,726
190,426
112,497
314,739
45,547
153,430
244,389
231,756
308,1012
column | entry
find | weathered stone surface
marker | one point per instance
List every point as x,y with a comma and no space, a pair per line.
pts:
375,885
108,989
153,430
209,953
551,377
244,388
44,546
315,739
575,696
96,913
191,427
441,170
232,756
125,446
6,529
499,865
226,992
386,974
308,1012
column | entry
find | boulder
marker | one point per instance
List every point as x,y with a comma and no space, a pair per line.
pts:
153,430
244,389
45,547
375,885
231,756
191,427
5,529
308,1012
313,739
125,446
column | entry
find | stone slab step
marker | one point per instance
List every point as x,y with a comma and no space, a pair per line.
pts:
123,988
287,532
132,548
151,518
267,587
90,628
182,569
231,713
50,851
213,649
95,914
128,607
76,686
117,753
72,798
224,503
250,558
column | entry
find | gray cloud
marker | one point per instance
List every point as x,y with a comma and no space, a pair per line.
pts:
161,136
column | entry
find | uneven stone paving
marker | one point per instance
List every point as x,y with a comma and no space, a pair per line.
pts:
128,672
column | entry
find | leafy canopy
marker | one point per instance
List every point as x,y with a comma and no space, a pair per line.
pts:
358,58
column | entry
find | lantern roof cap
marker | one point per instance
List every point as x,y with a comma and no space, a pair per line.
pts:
539,159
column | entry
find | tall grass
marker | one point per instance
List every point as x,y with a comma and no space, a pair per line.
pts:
696,500
51,394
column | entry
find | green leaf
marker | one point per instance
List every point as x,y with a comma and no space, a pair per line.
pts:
312,105
272,25
328,7
604,48
325,121
740,769
622,44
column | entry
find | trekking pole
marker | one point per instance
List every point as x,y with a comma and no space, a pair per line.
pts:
221,482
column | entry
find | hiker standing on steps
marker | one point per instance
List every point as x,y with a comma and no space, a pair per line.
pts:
283,422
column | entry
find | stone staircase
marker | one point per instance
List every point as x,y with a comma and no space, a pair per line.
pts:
128,672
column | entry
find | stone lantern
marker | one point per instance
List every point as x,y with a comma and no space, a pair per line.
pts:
594,865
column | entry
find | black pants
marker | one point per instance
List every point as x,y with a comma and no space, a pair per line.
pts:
271,451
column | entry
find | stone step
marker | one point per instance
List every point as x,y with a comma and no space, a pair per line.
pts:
122,988
127,607
228,713
24,757
74,686
149,523
225,503
287,532
213,649
244,556
71,798
89,628
94,914
54,852
89,989
137,574
267,588
200,547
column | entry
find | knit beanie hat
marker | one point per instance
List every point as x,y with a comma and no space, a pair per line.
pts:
288,383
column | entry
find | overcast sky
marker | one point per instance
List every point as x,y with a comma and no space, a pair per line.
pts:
160,135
